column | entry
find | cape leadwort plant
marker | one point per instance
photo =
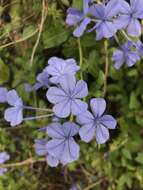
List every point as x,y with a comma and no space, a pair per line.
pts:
66,94
70,116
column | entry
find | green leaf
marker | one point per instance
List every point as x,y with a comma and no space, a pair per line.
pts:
66,2
55,35
127,153
134,104
28,31
139,158
78,4
4,72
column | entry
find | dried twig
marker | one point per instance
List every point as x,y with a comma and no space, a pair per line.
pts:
25,162
20,40
43,18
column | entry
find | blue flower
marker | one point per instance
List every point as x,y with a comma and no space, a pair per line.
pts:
129,17
95,123
3,92
74,187
66,97
42,82
14,114
3,171
4,156
58,68
125,55
104,14
139,48
41,150
75,17
63,146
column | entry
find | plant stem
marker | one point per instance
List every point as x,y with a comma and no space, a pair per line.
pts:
25,162
37,109
106,68
37,117
80,57
43,18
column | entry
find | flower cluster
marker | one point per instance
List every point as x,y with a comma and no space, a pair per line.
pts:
67,94
107,19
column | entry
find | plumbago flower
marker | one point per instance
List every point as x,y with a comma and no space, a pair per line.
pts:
129,17
104,14
41,150
14,114
58,68
95,123
66,97
139,48
63,146
125,55
76,17
4,156
42,82
3,92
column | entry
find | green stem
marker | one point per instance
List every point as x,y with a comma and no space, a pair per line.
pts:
80,57
71,118
20,164
106,68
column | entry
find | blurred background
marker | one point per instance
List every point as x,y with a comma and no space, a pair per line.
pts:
32,31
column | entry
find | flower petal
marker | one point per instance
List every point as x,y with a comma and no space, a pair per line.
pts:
74,16
14,116
102,134
87,132
4,156
56,95
40,147
70,129
134,28
98,106
62,109
70,152
97,10
55,147
108,121
68,83
85,118
122,21
112,8
55,130
80,30
3,92
81,89
108,29
52,161
78,106
13,98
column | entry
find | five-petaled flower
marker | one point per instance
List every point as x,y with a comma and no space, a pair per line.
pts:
75,17
63,146
125,55
59,68
95,123
67,97
14,114
103,15
129,17
41,150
